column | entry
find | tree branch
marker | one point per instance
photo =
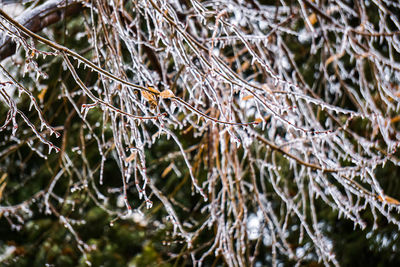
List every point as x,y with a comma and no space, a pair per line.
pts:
37,19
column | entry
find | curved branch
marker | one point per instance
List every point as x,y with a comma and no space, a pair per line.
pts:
299,160
37,19
61,48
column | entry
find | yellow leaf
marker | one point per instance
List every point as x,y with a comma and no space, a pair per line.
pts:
42,93
167,94
312,18
166,171
395,119
247,97
258,120
389,200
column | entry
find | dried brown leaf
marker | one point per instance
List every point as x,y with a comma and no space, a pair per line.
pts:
167,94
150,98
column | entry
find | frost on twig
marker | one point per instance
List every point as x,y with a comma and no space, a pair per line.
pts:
270,111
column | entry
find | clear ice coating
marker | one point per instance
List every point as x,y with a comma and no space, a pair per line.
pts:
228,65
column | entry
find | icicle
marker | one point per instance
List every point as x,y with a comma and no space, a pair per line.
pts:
149,204
85,111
